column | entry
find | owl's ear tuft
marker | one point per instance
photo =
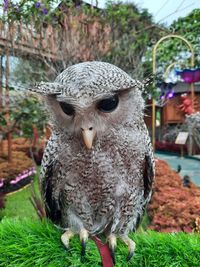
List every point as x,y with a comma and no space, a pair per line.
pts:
136,85
148,81
47,88
139,85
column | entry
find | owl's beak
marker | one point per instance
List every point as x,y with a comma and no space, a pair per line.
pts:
88,136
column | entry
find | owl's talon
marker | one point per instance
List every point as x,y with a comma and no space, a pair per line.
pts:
83,239
130,255
66,237
112,254
112,242
131,246
83,248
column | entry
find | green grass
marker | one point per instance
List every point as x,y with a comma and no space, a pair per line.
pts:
27,242
18,203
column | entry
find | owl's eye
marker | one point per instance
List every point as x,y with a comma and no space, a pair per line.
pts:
67,108
109,104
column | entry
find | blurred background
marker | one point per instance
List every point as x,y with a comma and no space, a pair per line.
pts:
157,42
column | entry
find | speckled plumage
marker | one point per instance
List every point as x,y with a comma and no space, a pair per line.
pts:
104,189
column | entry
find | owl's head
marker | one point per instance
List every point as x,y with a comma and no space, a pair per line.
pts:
91,99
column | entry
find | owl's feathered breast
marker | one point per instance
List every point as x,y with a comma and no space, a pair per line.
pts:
112,181
101,177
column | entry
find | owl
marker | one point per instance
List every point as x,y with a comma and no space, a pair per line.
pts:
98,167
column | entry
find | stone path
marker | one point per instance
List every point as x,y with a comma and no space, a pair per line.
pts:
189,166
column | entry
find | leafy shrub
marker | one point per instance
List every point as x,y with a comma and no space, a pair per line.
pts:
173,207
25,145
9,171
2,201
2,204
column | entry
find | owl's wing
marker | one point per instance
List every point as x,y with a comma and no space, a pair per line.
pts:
148,174
52,206
48,178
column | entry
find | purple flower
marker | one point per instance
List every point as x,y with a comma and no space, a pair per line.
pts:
1,183
37,4
16,7
5,5
44,11
171,94
78,6
13,182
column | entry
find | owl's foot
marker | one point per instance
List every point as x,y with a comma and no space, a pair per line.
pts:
131,246
112,243
66,237
83,238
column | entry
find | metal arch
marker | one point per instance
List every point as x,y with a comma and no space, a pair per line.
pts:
169,68
172,36
154,71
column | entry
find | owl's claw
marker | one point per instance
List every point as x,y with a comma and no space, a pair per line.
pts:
112,242
130,255
66,237
131,246
83,249
83,238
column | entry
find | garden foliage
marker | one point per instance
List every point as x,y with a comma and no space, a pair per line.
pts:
175,50
120,33
173,207
193,127
20,163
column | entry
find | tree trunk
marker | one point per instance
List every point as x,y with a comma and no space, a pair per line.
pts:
1,147
7,107
35,136
1,100
9,138
1,83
